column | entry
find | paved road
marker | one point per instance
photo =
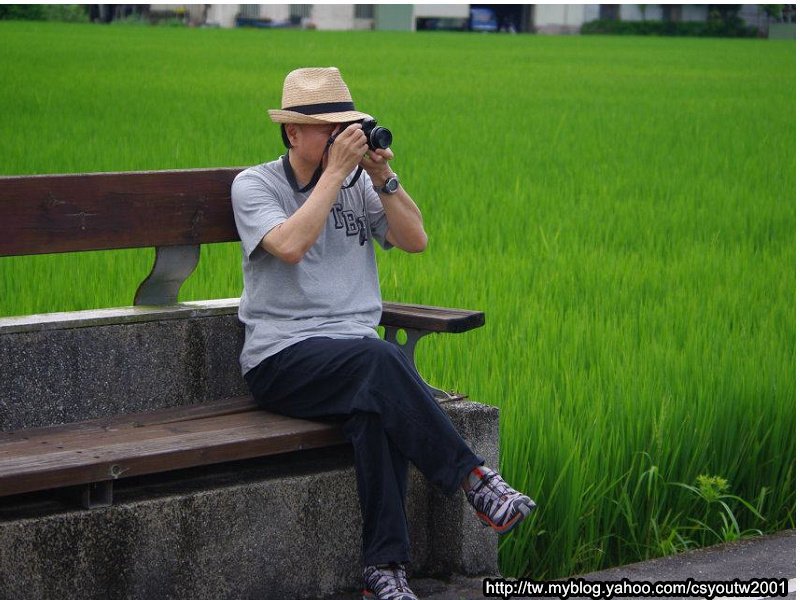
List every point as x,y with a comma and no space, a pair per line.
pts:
766,557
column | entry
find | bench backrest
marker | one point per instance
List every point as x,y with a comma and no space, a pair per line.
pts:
173,211
102,211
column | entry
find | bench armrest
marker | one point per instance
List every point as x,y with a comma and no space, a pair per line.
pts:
418,321
430,318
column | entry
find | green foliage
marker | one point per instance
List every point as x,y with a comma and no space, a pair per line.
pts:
726,13
774,11
634,256
67,13
710,488
717,27
140,20
22,12
71,13
711,491
133,19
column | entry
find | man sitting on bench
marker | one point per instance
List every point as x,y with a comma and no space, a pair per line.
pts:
311,304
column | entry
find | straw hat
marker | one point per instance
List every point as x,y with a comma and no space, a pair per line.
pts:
316,95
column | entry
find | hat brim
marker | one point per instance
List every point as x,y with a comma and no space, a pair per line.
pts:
289,116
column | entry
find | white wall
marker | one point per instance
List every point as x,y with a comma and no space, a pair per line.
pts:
694,12
562,18
631,12
276,12
548,18
333,16
449,11
323,16
654,12
591,13
567,18
223,15
559,14
166,7
363,23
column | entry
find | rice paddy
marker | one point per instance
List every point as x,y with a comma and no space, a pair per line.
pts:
623,210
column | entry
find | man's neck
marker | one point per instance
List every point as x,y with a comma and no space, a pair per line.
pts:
303,171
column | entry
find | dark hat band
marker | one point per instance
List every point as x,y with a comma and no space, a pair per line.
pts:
322,108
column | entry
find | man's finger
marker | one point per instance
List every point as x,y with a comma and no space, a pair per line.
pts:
345,134
384,153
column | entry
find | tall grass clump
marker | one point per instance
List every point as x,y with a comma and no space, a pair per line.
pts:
621,208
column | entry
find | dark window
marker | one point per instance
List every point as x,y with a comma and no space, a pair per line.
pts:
609,11
250,11
365,11
671,12
300,11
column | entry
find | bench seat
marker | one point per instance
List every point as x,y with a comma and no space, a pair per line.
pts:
96,452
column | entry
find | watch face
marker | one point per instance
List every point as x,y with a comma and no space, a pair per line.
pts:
391,185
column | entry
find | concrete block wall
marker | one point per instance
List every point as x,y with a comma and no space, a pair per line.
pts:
67,367
276,528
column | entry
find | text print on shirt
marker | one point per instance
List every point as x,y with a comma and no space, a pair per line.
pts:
352,224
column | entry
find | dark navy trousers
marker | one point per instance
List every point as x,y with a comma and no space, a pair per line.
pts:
387,412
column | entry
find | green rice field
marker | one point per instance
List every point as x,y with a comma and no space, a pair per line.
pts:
622,209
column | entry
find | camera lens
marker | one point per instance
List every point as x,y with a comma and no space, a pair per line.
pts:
377,137
380,137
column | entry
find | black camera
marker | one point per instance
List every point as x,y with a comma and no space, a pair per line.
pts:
377,137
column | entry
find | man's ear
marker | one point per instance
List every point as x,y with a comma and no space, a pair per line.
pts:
284,138
291,132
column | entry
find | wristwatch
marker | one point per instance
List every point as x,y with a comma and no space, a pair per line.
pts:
390,186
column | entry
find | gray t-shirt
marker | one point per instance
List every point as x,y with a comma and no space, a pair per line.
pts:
333,291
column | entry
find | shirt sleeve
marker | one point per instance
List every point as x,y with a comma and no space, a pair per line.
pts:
256,210
378,224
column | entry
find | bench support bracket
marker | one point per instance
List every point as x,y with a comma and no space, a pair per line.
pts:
97,494
412,337
172,267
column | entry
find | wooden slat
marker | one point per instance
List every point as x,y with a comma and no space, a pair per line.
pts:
140,419
430,318
86,440
98,211
144,443
165,448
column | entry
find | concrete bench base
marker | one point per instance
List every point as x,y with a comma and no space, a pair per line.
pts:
279,527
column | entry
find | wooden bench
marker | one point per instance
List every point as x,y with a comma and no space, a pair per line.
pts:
175,212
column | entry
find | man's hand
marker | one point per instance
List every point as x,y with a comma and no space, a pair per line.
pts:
375,163
405,220
347,150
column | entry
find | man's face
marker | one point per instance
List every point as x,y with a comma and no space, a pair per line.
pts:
308,141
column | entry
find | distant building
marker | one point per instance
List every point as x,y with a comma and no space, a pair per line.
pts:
554,19
568,18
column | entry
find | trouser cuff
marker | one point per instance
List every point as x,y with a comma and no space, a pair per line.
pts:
463,472
385,558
